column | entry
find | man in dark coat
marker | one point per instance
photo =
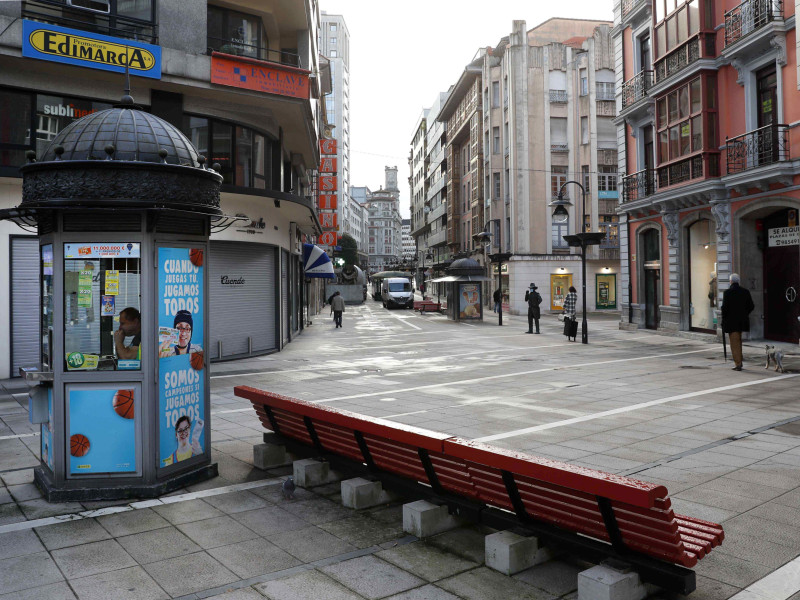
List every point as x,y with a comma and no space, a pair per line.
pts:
533,299
736,308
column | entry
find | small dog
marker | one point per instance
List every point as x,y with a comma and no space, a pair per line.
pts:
776,355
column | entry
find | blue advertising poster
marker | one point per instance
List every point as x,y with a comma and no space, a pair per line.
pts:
102,432
47,433
181,361
93,50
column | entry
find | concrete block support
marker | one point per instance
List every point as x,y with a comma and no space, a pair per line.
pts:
424,519
511,553
610,581
309,473
360,493
268,456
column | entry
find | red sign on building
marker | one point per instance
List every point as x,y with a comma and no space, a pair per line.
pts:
329,238
328,164
329,220
259,76
327,147
328,202
327,183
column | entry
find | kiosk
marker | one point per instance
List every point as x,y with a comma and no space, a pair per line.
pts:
123,206
464,289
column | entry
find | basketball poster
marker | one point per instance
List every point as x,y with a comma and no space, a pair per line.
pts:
181,360
102,433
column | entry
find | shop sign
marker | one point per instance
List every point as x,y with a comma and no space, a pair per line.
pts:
83,49
328,164
226,280
129,250
259,76
504,270
328,147
608,194
327,183
329,238
783,236
181,361
329,220
327,202
252,227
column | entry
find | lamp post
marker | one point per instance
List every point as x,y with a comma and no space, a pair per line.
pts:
425,256
581,240
499,257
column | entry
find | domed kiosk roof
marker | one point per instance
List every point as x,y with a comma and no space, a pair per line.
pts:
463,269
124,132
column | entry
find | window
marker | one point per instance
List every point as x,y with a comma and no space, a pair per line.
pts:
496,185
495,94
607,179
15,127
233,32
680,122
675,26
333,26
584,82
333,40
560,228
587,179
495,140
334,54
584,130
558,177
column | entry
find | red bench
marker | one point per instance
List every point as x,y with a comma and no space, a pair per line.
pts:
427,306
593,514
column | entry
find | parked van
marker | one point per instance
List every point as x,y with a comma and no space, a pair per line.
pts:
396,291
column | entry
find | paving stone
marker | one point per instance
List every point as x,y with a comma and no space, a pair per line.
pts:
701,511
71,533
53,591
158,544
178,513
426,592
728,569
23,492
125,584
364,531
467,542
426,561
19,543
555,577
485,584
236,502
90,559
40,508
10,513
253,557
23,572
135,521
270,520
191,573
240,594
219,531
305,586
317,510
311,544
372,577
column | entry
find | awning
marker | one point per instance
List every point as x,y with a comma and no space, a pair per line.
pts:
451,278
316,263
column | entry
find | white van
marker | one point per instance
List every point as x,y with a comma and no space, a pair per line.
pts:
396,291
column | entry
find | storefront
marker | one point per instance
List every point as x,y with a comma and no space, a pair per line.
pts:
702,276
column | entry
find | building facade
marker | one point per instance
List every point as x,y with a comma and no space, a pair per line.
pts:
212,73
548,104
417,183
409,248
385,237
334,45
711,164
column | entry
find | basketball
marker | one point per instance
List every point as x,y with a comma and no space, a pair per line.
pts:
78,445
196,256
197,359
123,403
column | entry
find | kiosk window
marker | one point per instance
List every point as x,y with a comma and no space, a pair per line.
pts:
102,299
47,306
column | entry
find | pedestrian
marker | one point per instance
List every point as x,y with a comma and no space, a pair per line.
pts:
534,299
337,305
737,304
498,298
570,308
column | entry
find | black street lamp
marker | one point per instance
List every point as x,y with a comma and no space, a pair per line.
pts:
499,258
579,240
426,256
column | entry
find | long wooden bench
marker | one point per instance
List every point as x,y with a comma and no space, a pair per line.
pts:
594,514
427,306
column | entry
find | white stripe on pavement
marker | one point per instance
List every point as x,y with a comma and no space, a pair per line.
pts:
19,435
781,584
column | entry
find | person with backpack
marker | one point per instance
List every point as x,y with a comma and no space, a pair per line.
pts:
534,299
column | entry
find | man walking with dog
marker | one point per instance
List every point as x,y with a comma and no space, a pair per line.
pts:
737,304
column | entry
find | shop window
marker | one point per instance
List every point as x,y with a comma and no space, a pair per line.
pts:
102,300
244,157
222,150
54,113
238,33
47,306
15,127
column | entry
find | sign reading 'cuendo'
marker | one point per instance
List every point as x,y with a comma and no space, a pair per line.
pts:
84,49
181,361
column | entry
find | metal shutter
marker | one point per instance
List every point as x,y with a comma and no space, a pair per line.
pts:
285,296
24,303
242,310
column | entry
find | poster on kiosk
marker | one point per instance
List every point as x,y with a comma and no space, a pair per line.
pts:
181,379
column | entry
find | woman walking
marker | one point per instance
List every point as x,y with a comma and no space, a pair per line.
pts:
570,321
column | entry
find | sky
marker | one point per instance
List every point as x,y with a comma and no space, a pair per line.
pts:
402,54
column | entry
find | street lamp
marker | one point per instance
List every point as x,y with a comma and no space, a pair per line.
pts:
485,236
579,240
426,256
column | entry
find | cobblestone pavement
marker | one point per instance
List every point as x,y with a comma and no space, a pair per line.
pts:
663,409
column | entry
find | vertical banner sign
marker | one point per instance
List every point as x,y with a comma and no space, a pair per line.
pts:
181,380
328,185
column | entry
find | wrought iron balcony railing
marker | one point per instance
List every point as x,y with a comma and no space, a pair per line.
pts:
629,5
558,96
226,46
701,166
59,13
750,16
679,59
636,88
639,185
757,148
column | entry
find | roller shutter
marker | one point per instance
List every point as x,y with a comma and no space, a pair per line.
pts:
242,286
285,295
24,303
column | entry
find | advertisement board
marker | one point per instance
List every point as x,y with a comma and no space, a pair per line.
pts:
181,360
559,288
606,290
102,430
259,76
469,301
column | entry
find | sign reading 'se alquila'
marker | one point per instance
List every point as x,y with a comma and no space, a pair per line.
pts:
92,50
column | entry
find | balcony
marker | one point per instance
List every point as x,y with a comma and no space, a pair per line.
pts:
678,59
749,17
758,148
226,46
630,8
701,166
437,239
558,96
635,89
57,12
639,185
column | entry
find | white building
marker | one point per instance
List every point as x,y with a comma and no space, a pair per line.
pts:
409,245
385,237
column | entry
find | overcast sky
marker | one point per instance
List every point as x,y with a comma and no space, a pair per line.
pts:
404,53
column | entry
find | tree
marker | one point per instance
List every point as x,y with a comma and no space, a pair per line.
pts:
349,251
